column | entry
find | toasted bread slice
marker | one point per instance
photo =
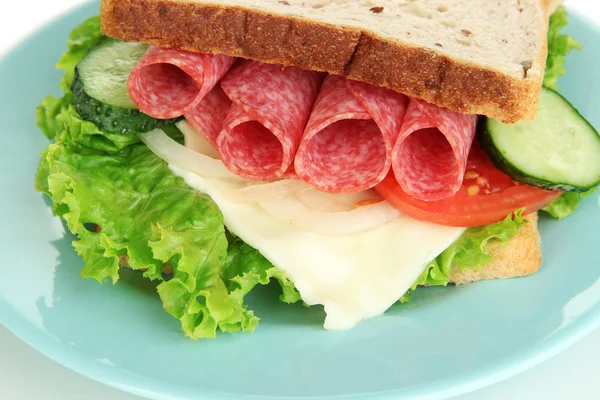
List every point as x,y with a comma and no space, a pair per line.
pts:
471,56
520,256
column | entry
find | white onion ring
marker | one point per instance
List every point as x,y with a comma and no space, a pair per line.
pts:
184,158
293,212
258,193
317,200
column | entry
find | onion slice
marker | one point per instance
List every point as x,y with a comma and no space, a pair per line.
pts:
334,202
258,193
183,158
294,212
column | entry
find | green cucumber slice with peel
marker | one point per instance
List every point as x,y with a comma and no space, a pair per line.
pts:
560,150
100,88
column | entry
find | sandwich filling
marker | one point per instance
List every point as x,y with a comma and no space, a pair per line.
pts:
220,193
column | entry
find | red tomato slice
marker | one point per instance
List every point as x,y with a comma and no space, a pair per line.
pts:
486,196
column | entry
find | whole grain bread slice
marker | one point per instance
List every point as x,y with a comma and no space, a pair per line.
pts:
471,56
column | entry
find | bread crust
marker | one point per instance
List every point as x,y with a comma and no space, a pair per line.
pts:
292,41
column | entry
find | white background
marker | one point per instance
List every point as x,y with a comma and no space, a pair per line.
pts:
26,374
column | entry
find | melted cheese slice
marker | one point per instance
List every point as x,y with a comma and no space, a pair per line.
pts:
356,276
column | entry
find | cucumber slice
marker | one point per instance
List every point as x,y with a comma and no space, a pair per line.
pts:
105,69
110,118
100,88
560,150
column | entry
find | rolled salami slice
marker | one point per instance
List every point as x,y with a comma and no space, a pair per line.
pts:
168,83
347,144
430,156
209,115
271,105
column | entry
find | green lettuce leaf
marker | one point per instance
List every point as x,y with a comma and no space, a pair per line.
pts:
559,46
57,118
46,115
81,40
245,267
151,218
83,135
468,252
566,204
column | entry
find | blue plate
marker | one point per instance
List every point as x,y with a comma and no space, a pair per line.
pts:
446,342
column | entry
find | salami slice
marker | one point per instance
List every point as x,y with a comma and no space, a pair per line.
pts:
347,144
208,116
168,83
430,155
271,105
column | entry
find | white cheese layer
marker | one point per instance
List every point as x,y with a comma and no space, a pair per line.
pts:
356,276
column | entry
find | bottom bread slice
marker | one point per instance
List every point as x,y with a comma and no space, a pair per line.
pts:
519,256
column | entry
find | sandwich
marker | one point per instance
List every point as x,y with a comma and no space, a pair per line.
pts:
351,152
